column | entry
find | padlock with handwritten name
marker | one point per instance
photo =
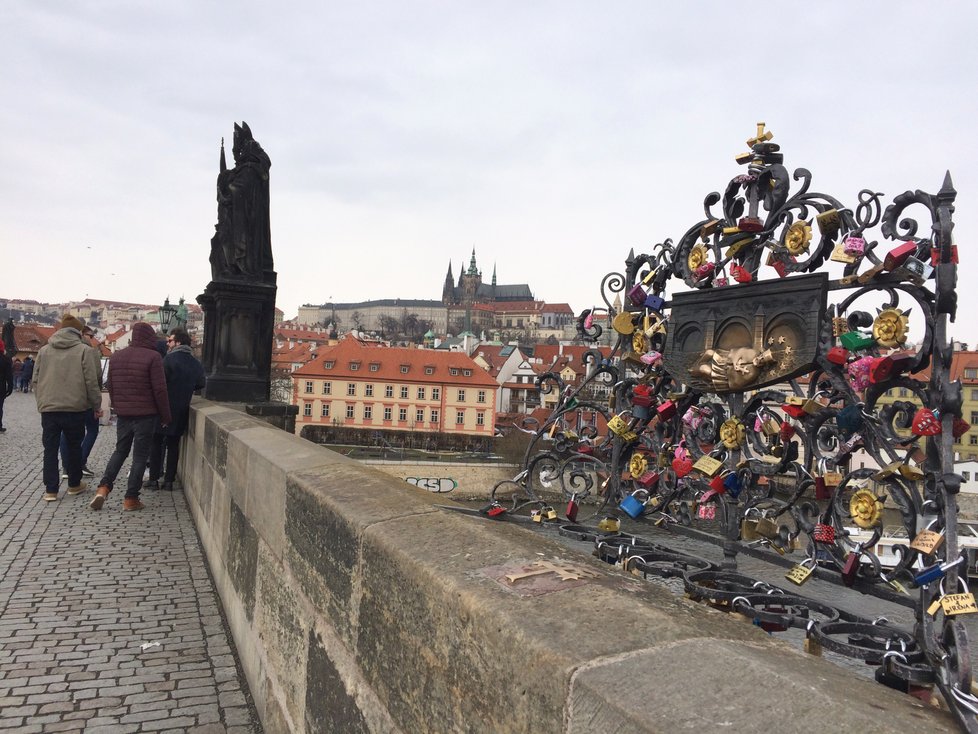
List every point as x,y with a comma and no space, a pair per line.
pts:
704,271
840,255
918,270
926,423
708,465
637,294
829,223
854,245
618,425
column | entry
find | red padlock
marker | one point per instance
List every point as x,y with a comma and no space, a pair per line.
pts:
838,355
787,431
850,569
648,480
666,411
960,427
895,257
880,369
935,255
682,467
823,533
795,411
822,491
741,274
704,270
572,508
716,487
642,395
925,423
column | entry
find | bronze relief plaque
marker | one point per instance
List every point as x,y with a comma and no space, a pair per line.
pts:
740,338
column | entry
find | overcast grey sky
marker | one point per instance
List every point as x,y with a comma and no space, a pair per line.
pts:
550,136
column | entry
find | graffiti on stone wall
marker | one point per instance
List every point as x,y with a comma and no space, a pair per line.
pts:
433,484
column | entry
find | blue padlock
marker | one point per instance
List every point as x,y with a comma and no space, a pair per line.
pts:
937,571
632,506
733,484
654,302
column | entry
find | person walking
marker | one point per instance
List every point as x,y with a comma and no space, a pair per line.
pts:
66,385
137,389
91,416
27,371
18,367
6,381
184,376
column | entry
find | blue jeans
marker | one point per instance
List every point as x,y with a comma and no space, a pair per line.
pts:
91,433
54,425
136,435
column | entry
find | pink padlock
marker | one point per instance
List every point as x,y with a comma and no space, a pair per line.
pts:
589,320
720,282
704,270
693,417
854,245
859,373
650,357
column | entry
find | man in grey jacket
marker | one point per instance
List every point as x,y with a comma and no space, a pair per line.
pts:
65,385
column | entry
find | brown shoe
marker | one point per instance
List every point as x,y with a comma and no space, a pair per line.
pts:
132,503
82,486
99,499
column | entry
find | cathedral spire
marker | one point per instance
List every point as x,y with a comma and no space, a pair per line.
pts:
473,270
494,275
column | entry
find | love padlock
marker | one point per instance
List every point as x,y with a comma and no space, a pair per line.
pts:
822,491
548,512
960,427
740,274
850,568
717,486
494,510
666,410
838,355
654,302
918,271
859,373
706,512
732,484
682,467
849,419
854,341
925,423
935,255
536,516
648,480
572,507
795,411
637,294
854,245
704,271
802,572
823,533
651,358
787,431
896,257
632,505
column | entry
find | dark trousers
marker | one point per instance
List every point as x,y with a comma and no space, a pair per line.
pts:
170,445
2,399
91,433
54,425
136,435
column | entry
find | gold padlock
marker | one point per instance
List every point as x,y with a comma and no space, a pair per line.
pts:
828,223
813,647
840,255
770,427
708,465
622,323
549,513
840,326
536,515
910,472
955,604
748,530
767,528
801,573
927,541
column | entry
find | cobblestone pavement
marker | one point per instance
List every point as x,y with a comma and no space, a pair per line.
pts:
109,621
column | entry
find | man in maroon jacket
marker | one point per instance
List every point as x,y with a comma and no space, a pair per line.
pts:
137,387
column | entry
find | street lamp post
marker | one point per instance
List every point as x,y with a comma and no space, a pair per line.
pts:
166,313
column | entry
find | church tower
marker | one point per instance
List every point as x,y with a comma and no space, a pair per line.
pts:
448,290
471,282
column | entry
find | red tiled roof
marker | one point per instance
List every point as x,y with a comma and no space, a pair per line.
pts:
282,332
389,361
558,308
114,336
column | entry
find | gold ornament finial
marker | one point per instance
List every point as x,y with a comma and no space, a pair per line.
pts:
761,137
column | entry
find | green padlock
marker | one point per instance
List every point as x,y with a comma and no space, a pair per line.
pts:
854,341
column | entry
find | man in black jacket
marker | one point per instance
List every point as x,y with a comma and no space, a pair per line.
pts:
6,380
184,376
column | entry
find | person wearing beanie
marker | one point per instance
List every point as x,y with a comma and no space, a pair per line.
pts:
65,386
137,388
6,380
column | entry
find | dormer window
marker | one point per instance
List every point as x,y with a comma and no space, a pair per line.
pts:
453,371
429,370
374,366
328,364
354,366
404,369
467,373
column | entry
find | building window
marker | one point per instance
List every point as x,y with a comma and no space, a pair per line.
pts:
402,414
461,396
368,412
327,388
404,369
974,418
436,393
309,386
973,439
459,417
434,416
388,391
349,411
480,418
419,416
374,366
387,414
354,366
903,392
971,373
974,394
966,475
466,373
453,371
328,365
307,409
351,388
429,370
325,411
404,393
421,393
481,397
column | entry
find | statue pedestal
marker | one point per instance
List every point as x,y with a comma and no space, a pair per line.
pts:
238,322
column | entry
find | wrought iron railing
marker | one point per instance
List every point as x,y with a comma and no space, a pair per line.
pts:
770,370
